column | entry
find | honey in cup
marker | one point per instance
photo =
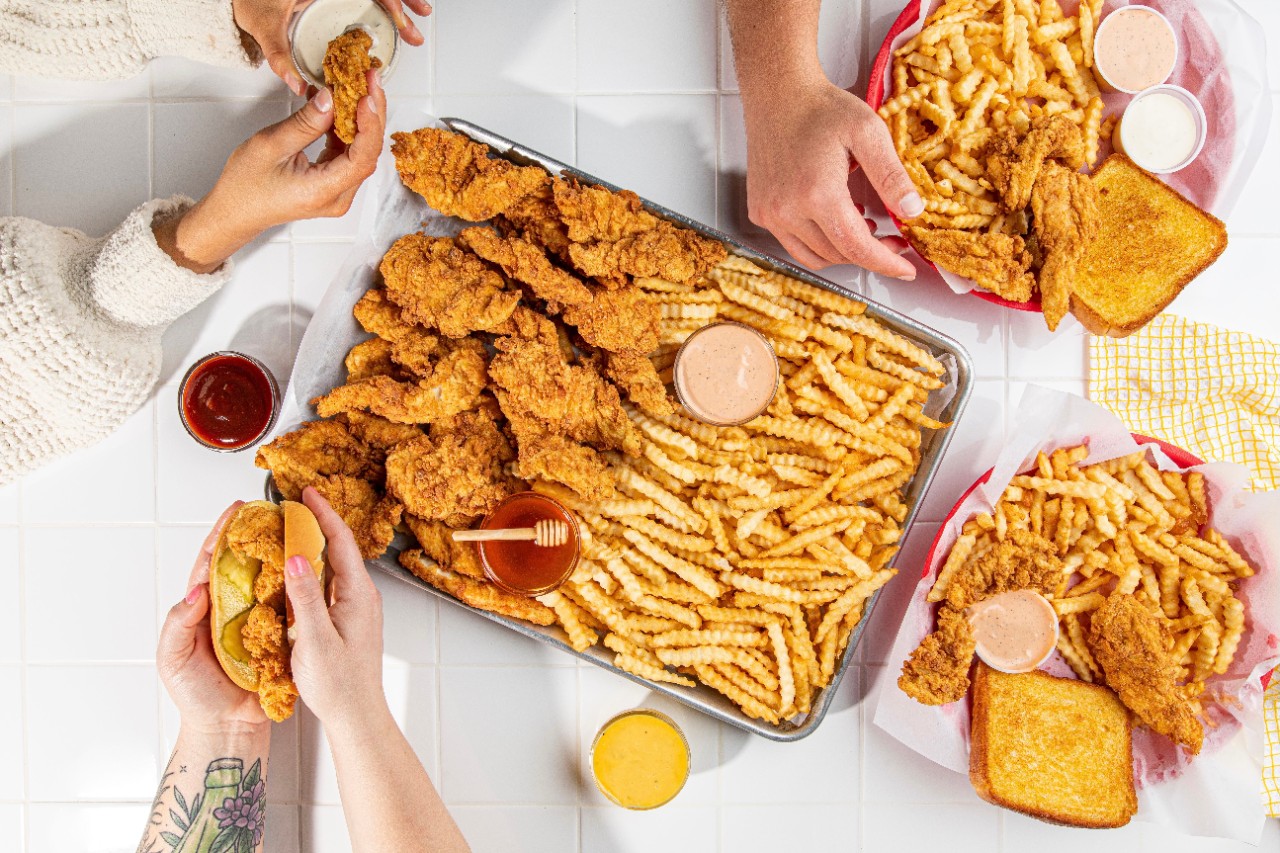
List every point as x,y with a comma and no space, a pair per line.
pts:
640,759
526,568
726,374
324,20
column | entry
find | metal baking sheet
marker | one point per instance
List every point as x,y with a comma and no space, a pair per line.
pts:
946,404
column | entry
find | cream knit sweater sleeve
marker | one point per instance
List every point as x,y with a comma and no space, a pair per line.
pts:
109,39
80,327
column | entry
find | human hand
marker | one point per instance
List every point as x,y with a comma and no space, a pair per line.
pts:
802,143
267,21
208,701
337,653
269,181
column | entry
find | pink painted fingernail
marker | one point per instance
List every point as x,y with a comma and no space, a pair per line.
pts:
193,594
323,101
912,205
297,566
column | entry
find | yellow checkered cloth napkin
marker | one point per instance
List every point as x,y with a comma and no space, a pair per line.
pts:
1215,393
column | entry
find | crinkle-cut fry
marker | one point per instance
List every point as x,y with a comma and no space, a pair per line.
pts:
647,623
817,495
1233,624
1193,598
797,476
687,473
736,263
890,341
1066,488
677,591
880,361
675,539
572,619
646,568
1075,631
799,541
646,670
661,285
839,385
595,601
750,705
674,639
698,311
1233,558
772,328
662,434
798,460
694,430
1205,650
850,598
692,574
828,514
635,593
856,435
617,508
798,563
1078,604
1073,657
791,576
809,430
891,408
1098,474
693,655
956,560
906,100
749,523
629,478
623,646
820,297
744,682
737,477
782,654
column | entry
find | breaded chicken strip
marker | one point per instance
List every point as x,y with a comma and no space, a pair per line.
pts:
457,177
667,251
346,63
379,434
264,639
436,539
537,219
371,358
371,515
454,385
591,213
442,286
458,471
1064,206
636,375
526,263
477,593
937,672
1131,645
996,262
618,321
1014,164
258,531
376,313
317,449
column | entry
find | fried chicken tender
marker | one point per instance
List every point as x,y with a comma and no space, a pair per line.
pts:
436,539
477,593
527,263
1022,561
258,531
378,314
346,62
371,515
636,375
937,672
541,393
1131,645
1064,205
453,385
621,321
314,450
537,219
675,254
455,472
997,262
556,458
1014,165
442,286
371,358
591,213
379,434
264,639
457,177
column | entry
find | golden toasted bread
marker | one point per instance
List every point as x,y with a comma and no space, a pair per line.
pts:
1151,243
1056,749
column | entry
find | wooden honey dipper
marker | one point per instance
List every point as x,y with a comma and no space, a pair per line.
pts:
548,532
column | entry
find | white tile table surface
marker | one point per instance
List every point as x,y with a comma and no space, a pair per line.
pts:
95,548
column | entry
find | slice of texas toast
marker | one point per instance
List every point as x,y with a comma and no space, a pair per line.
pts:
1151,243
1052,748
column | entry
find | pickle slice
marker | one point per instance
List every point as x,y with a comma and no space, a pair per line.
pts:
239,571
232,642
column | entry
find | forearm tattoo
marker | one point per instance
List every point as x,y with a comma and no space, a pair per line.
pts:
226,815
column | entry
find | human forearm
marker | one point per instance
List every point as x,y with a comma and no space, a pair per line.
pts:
207,769
199,240
775,46
388,799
